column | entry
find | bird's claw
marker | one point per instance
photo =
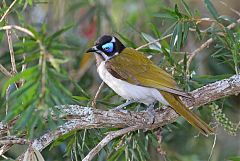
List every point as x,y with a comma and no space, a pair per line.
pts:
151,114
120,110
120,107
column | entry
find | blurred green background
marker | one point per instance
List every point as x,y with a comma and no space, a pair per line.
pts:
71,76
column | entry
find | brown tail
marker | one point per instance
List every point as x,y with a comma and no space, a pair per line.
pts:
191,117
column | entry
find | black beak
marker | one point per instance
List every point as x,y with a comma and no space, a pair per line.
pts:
92,49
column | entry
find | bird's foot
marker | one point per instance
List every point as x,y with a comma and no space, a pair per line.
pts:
120,107
151,114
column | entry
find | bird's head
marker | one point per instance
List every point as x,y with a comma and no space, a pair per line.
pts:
107,46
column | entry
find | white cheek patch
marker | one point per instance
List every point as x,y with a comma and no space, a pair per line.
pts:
115,54
95,48
109,57
113,39
103,55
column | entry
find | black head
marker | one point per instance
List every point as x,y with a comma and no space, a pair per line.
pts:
107,47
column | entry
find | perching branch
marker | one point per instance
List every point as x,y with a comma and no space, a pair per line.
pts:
80,117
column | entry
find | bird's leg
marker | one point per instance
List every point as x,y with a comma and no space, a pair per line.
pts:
151,113
120,107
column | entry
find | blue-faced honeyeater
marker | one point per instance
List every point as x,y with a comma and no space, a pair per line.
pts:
135,77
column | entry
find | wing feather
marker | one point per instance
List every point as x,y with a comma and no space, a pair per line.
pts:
139,70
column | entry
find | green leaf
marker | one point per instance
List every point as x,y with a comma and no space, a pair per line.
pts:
211,9
25,117
80,89
177,11
23,75
1,32
57,34
116,155
206,79
154,46
169,57
186,7
235,158
149,51
174,38
56,62
59,46
34,31
165,16
62,138
22,99
155,30
153,139
30,2
179,38
227,18
79,98
185,32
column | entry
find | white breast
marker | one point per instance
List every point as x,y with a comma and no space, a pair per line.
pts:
129,91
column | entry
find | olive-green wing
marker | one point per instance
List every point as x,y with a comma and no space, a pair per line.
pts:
134,67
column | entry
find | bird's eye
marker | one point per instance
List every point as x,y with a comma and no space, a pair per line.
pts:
108,47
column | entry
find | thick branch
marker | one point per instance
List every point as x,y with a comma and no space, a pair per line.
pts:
86,117
214,91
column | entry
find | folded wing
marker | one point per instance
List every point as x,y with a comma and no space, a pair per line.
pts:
139,70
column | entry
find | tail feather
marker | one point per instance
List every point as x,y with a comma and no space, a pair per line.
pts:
191,117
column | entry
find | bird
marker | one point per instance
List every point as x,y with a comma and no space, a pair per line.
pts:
134,77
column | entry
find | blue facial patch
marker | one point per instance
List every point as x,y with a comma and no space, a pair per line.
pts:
108,47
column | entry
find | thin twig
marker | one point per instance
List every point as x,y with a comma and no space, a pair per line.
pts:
213,146
5,157
42,64
94,102
8,10
195,52
107,139
5,148
158,134
24,66
10,27
206,44
5,71
10,46
152,42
